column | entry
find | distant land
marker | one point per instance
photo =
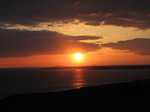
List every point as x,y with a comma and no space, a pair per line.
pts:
100,67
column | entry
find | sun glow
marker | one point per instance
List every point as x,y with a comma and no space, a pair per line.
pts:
78,56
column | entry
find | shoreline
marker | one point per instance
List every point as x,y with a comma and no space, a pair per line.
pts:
100,67
128,95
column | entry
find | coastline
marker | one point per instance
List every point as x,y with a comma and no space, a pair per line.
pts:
126,96
100,67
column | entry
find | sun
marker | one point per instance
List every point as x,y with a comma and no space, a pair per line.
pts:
78,56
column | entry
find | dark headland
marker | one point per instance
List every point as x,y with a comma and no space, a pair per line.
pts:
100,67
122,97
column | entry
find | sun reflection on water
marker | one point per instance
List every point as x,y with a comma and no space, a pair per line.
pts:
78,79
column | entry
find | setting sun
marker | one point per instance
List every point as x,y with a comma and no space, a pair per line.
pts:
78,56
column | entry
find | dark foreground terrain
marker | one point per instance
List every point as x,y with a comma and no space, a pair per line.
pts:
124,97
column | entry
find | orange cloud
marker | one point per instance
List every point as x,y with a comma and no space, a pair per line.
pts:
17,43
91,12
139,46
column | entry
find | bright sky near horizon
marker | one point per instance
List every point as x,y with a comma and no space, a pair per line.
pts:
49,32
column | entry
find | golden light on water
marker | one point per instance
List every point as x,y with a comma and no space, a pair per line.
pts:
79,81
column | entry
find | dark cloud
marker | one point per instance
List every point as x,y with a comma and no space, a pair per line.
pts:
16,43
138,46
127,13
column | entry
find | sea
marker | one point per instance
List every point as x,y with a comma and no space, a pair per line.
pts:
33,80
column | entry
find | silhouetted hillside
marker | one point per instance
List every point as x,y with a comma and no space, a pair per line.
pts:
123,97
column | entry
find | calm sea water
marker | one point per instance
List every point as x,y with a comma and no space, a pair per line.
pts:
22,81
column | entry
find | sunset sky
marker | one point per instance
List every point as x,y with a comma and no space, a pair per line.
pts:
39,33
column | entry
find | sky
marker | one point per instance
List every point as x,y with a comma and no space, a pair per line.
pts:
39,33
